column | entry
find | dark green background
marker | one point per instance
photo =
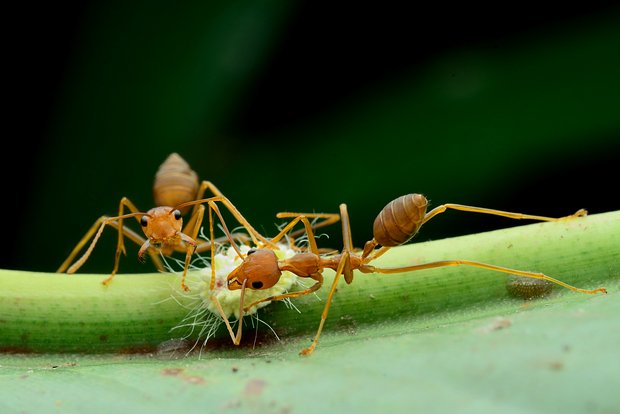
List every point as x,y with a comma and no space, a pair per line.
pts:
299,106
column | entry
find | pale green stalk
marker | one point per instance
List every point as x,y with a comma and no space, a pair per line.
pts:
50,312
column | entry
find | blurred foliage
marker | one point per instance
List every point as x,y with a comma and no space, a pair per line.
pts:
286,106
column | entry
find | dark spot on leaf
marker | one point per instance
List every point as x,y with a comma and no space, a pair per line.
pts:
254,387
172,372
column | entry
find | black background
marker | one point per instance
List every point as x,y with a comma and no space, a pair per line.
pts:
324,55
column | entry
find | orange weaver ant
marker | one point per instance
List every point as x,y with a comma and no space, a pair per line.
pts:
395,225
175,187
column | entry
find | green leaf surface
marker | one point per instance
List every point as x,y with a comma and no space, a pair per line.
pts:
552,355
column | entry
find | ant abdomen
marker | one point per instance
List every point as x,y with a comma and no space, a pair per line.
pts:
400,220
175,182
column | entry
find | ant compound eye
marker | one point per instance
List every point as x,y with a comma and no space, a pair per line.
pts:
251,251
257,285
144,221
177,214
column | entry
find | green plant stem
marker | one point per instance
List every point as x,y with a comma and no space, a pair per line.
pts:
51,312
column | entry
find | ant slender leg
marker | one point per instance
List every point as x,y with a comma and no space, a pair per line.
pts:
236,338
80,245
328,219
214,207
193,225
518,216
196,218
139,240
211,235
204,246
348,243
308,228
370,254
103,221
120,246
343,260
444,263
344,268
255,235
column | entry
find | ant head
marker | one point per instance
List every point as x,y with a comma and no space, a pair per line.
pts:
259,270
160,224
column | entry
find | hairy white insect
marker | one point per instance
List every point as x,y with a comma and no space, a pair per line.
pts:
203,319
